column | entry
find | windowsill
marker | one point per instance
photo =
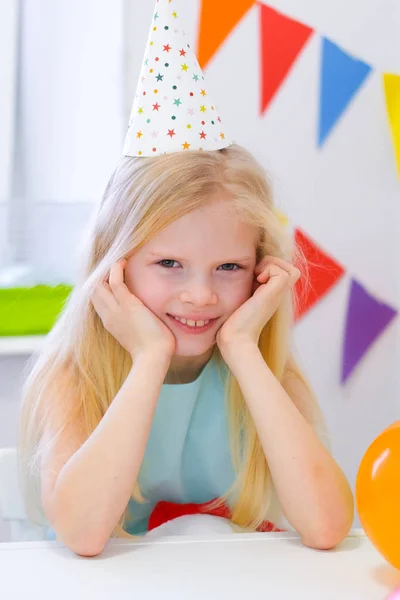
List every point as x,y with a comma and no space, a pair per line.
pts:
20,345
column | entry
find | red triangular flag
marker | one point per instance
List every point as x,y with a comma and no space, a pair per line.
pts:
323,273
282,39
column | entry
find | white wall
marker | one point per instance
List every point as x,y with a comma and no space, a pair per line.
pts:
71,127
72,96
8,51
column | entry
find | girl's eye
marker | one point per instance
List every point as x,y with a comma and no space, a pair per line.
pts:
230,267
167,263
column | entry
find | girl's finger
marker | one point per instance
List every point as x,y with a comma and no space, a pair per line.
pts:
282,264
102,298
277,280
288,266
117,284
273,260
259,268
273,272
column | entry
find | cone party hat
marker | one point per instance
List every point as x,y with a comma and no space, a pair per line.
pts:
172,110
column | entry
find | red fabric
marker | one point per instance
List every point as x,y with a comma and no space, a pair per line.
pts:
166,511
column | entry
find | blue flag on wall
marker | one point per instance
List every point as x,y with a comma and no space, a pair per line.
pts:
341,77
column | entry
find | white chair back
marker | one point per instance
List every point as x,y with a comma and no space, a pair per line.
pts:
12,510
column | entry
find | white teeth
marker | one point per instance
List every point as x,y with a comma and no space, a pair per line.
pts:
191,323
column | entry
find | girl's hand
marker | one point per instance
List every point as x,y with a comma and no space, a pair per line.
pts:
273,278
131,323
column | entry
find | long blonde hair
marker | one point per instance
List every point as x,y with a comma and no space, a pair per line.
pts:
82,367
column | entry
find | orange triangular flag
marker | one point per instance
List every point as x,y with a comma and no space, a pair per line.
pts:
217,19
323,273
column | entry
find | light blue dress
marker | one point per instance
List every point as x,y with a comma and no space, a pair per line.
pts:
187,457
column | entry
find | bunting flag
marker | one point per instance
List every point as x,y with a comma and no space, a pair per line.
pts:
282,40
392,93
323,273
341,78
282,218
366,320
217,19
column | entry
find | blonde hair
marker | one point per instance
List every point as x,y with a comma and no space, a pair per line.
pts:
82,367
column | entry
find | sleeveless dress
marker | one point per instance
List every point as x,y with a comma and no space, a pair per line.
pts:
187,457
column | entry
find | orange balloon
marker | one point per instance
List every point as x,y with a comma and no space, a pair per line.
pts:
378,493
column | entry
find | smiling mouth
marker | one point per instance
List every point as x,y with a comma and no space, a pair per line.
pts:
199,324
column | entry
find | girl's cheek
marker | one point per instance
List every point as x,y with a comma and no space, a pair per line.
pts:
152,289
236,295
138,283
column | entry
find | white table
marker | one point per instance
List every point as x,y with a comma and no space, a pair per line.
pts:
242,566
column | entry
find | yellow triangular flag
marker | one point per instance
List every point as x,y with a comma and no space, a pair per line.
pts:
282,217
392,91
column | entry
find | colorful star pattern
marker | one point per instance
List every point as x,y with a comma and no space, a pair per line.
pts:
178,101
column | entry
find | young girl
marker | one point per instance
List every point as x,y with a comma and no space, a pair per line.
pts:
167,385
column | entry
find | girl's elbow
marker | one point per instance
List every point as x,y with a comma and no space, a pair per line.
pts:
85,546
87,550
330,534
324,540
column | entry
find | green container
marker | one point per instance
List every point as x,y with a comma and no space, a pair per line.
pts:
31,311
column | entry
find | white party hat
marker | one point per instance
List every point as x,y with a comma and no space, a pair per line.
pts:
172,110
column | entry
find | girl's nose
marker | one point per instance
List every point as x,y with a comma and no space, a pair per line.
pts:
199,294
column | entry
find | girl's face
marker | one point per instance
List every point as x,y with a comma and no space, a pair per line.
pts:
195,273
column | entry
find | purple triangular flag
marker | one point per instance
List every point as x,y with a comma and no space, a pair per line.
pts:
366,319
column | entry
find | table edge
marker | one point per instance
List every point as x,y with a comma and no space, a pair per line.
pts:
175,539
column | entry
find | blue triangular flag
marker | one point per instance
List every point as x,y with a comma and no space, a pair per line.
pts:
366,320
341,77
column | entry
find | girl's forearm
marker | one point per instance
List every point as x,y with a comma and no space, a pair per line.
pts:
314,493
93,488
